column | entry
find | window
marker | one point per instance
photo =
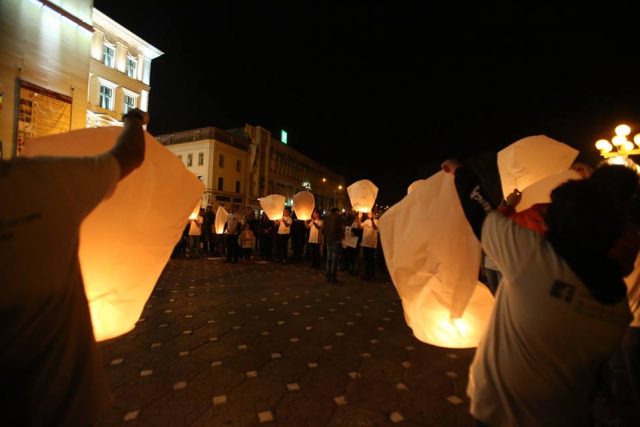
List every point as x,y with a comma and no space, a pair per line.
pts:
200,159
108,52
106,97
129,104
221,161
220,182
189,159
237,186
238,165
132,66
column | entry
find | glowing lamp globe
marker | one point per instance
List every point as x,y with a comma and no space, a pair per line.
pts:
604,145
622,130
273,206
303,204
127,240
362,195
435,271
221,219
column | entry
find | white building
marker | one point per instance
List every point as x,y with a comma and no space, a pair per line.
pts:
119,72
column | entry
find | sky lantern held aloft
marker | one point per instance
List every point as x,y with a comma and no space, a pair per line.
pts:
362,195
531,159
196,211
127,240
303,204
273,206
433,259
221,219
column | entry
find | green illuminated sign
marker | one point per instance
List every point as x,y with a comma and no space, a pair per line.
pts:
283,136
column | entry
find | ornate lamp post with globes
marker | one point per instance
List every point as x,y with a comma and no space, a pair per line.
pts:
617,151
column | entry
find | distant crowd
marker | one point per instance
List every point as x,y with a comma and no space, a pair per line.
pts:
334,241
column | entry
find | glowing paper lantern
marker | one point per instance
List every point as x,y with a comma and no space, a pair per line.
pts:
540,192
303,204
273,205
413,185
363,195
127,240
433,258
196,211
221,219
531,159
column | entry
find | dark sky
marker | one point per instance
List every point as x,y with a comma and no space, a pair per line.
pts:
386,90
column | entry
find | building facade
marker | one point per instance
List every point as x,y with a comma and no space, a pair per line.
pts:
119,72
53,70
44,65
240,166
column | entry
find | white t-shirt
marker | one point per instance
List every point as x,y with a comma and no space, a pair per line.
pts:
315,235
633,293
546,338
233,223
51,366
369,234
282,228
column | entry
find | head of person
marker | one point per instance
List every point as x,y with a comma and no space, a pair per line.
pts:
286,212
586,216
315,214
335,211
621,180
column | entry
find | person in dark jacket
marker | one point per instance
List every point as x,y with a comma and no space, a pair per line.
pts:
333,235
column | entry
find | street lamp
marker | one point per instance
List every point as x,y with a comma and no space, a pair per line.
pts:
616,151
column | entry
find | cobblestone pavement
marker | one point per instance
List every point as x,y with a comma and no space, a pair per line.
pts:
268,344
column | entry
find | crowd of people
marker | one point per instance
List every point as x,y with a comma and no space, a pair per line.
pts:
346,241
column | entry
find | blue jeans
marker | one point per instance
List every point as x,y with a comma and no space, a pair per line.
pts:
333,257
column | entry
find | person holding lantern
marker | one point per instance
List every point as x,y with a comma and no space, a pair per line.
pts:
540,370
369,242
315,225
52,372
282,237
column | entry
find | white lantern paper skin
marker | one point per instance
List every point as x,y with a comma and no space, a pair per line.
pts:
221,219
433,258
362,195
531,159
196,211
540,192
273,205
127,240
303,204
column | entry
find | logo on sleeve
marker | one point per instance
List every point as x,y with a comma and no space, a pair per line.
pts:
562,291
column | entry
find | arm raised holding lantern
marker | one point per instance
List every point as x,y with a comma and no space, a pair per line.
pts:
129,148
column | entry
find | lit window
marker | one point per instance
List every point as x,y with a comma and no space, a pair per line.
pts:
200,159
221,161
129,104
106,97
238,165
132,66
237,186
189,159
108,54
220,182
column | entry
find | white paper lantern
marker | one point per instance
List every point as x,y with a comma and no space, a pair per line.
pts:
362,195
531,159
273,205
303,204
196,211
413,185
433,259
127,240
540,192
221,219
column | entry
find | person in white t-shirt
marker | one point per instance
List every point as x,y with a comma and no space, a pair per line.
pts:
369,243
561,309
195,231
52,372
282,235
315,225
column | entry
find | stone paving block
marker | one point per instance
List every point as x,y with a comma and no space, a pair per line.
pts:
304,409
357,415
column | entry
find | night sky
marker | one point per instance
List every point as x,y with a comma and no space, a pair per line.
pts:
344,78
